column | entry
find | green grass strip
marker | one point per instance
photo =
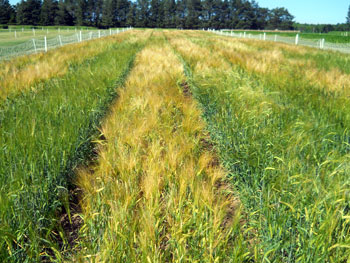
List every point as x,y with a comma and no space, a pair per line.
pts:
44,135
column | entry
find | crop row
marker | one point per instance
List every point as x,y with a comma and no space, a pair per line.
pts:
282,130
44,134
155,194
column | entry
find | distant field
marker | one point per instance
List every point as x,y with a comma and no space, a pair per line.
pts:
175,146
332,37
17,36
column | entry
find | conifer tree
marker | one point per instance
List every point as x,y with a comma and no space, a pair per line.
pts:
108,11
28,12
191,14
169,12
48,12
6,12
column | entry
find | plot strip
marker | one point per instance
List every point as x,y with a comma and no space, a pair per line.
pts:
155,194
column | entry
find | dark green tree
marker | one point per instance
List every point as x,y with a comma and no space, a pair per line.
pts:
122,10
48,12
281,19
28,12
236,11
181,12
6,12
348,17
130,17
208,7
193,18
190,14
63,14
169,13
142,13
262,18
224,14
156,10
108,10
93,12
81,12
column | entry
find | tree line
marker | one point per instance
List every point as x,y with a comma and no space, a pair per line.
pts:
188,14
321,28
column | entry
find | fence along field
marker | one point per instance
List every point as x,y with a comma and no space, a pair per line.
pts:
276,116
17,43
336,43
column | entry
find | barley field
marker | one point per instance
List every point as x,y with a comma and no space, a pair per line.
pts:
175,146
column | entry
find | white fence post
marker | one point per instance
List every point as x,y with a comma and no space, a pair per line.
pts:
322,43
297,39
15,34
276,38
99,34
45,41
80,37
34,45
60,39
264,36
244,34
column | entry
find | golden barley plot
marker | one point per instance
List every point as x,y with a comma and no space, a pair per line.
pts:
155,193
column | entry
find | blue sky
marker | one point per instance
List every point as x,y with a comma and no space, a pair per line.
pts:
312,11
307,11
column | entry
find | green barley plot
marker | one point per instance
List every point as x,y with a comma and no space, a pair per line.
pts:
43,136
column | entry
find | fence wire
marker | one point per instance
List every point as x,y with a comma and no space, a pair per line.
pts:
321,43
44,44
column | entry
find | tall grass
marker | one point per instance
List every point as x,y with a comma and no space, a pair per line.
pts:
284,136
44,135
154,194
